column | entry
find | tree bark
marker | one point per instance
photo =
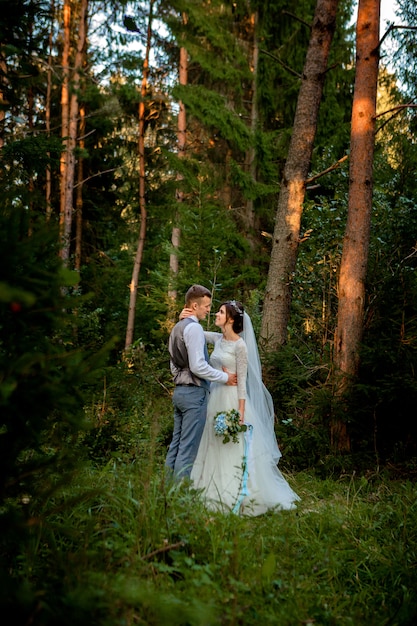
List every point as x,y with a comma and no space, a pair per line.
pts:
181,143
3,82
30,106
286,235
79,195
64,115
250,161
142,180
48,172
67,180
354,261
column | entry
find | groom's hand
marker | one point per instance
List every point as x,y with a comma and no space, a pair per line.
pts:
232,378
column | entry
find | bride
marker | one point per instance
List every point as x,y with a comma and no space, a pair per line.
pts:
241,476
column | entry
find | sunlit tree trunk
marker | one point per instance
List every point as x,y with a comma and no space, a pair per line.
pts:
31,184
66,45
142,181
79,195
181,144
249,213
179,194
72,129
286,235
48,173
354,261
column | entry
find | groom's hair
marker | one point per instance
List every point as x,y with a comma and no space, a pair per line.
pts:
195,293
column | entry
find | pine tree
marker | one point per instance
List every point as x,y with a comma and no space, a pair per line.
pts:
286,236
354,262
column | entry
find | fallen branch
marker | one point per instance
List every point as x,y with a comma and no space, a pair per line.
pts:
166,548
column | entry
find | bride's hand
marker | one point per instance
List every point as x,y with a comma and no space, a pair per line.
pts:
185,313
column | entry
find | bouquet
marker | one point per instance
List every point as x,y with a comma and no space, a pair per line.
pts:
226,425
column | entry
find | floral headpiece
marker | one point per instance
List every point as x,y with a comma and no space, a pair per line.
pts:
236,307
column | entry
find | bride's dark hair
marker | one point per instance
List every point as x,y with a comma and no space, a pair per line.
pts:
235,311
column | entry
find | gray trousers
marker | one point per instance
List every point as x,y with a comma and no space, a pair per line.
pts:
190,410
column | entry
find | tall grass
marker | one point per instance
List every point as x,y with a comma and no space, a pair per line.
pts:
119,545
136,549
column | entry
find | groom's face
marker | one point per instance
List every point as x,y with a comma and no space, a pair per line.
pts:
202,307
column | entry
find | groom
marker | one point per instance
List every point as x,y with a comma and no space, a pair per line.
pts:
192,376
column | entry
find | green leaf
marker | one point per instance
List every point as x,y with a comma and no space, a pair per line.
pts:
10,294
268,567
68,277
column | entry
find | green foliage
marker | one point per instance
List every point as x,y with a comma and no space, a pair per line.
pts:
23,28
91,531
32,154
302,400
118,411
252,189
404,46
216,53
41,386
211,255
387,389
314,285
379,407
151,553
212,110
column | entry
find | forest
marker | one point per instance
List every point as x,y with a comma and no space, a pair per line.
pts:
266,149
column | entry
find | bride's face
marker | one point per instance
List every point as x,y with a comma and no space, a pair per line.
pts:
221,317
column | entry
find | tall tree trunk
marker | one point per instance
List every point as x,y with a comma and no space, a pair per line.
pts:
179,194
48,173
250,161
142,199
71,142
31,103
66,36
31,184
79,195
3,82
181,144
285,241
354,261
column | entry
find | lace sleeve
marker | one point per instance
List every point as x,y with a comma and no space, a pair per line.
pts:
212,337
241,368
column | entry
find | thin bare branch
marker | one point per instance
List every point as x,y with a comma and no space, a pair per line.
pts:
391,28
413,253
326,171
298,19
397,108
278,60
113,169
167,548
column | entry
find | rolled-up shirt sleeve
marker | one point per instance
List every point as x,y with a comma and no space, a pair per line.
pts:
194,340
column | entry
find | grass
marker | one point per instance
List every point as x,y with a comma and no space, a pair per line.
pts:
137,550
120,546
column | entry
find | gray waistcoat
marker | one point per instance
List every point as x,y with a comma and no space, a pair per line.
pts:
179,356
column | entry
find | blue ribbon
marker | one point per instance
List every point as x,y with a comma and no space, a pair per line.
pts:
244,485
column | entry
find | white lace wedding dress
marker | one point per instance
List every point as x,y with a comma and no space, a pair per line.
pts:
219,469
